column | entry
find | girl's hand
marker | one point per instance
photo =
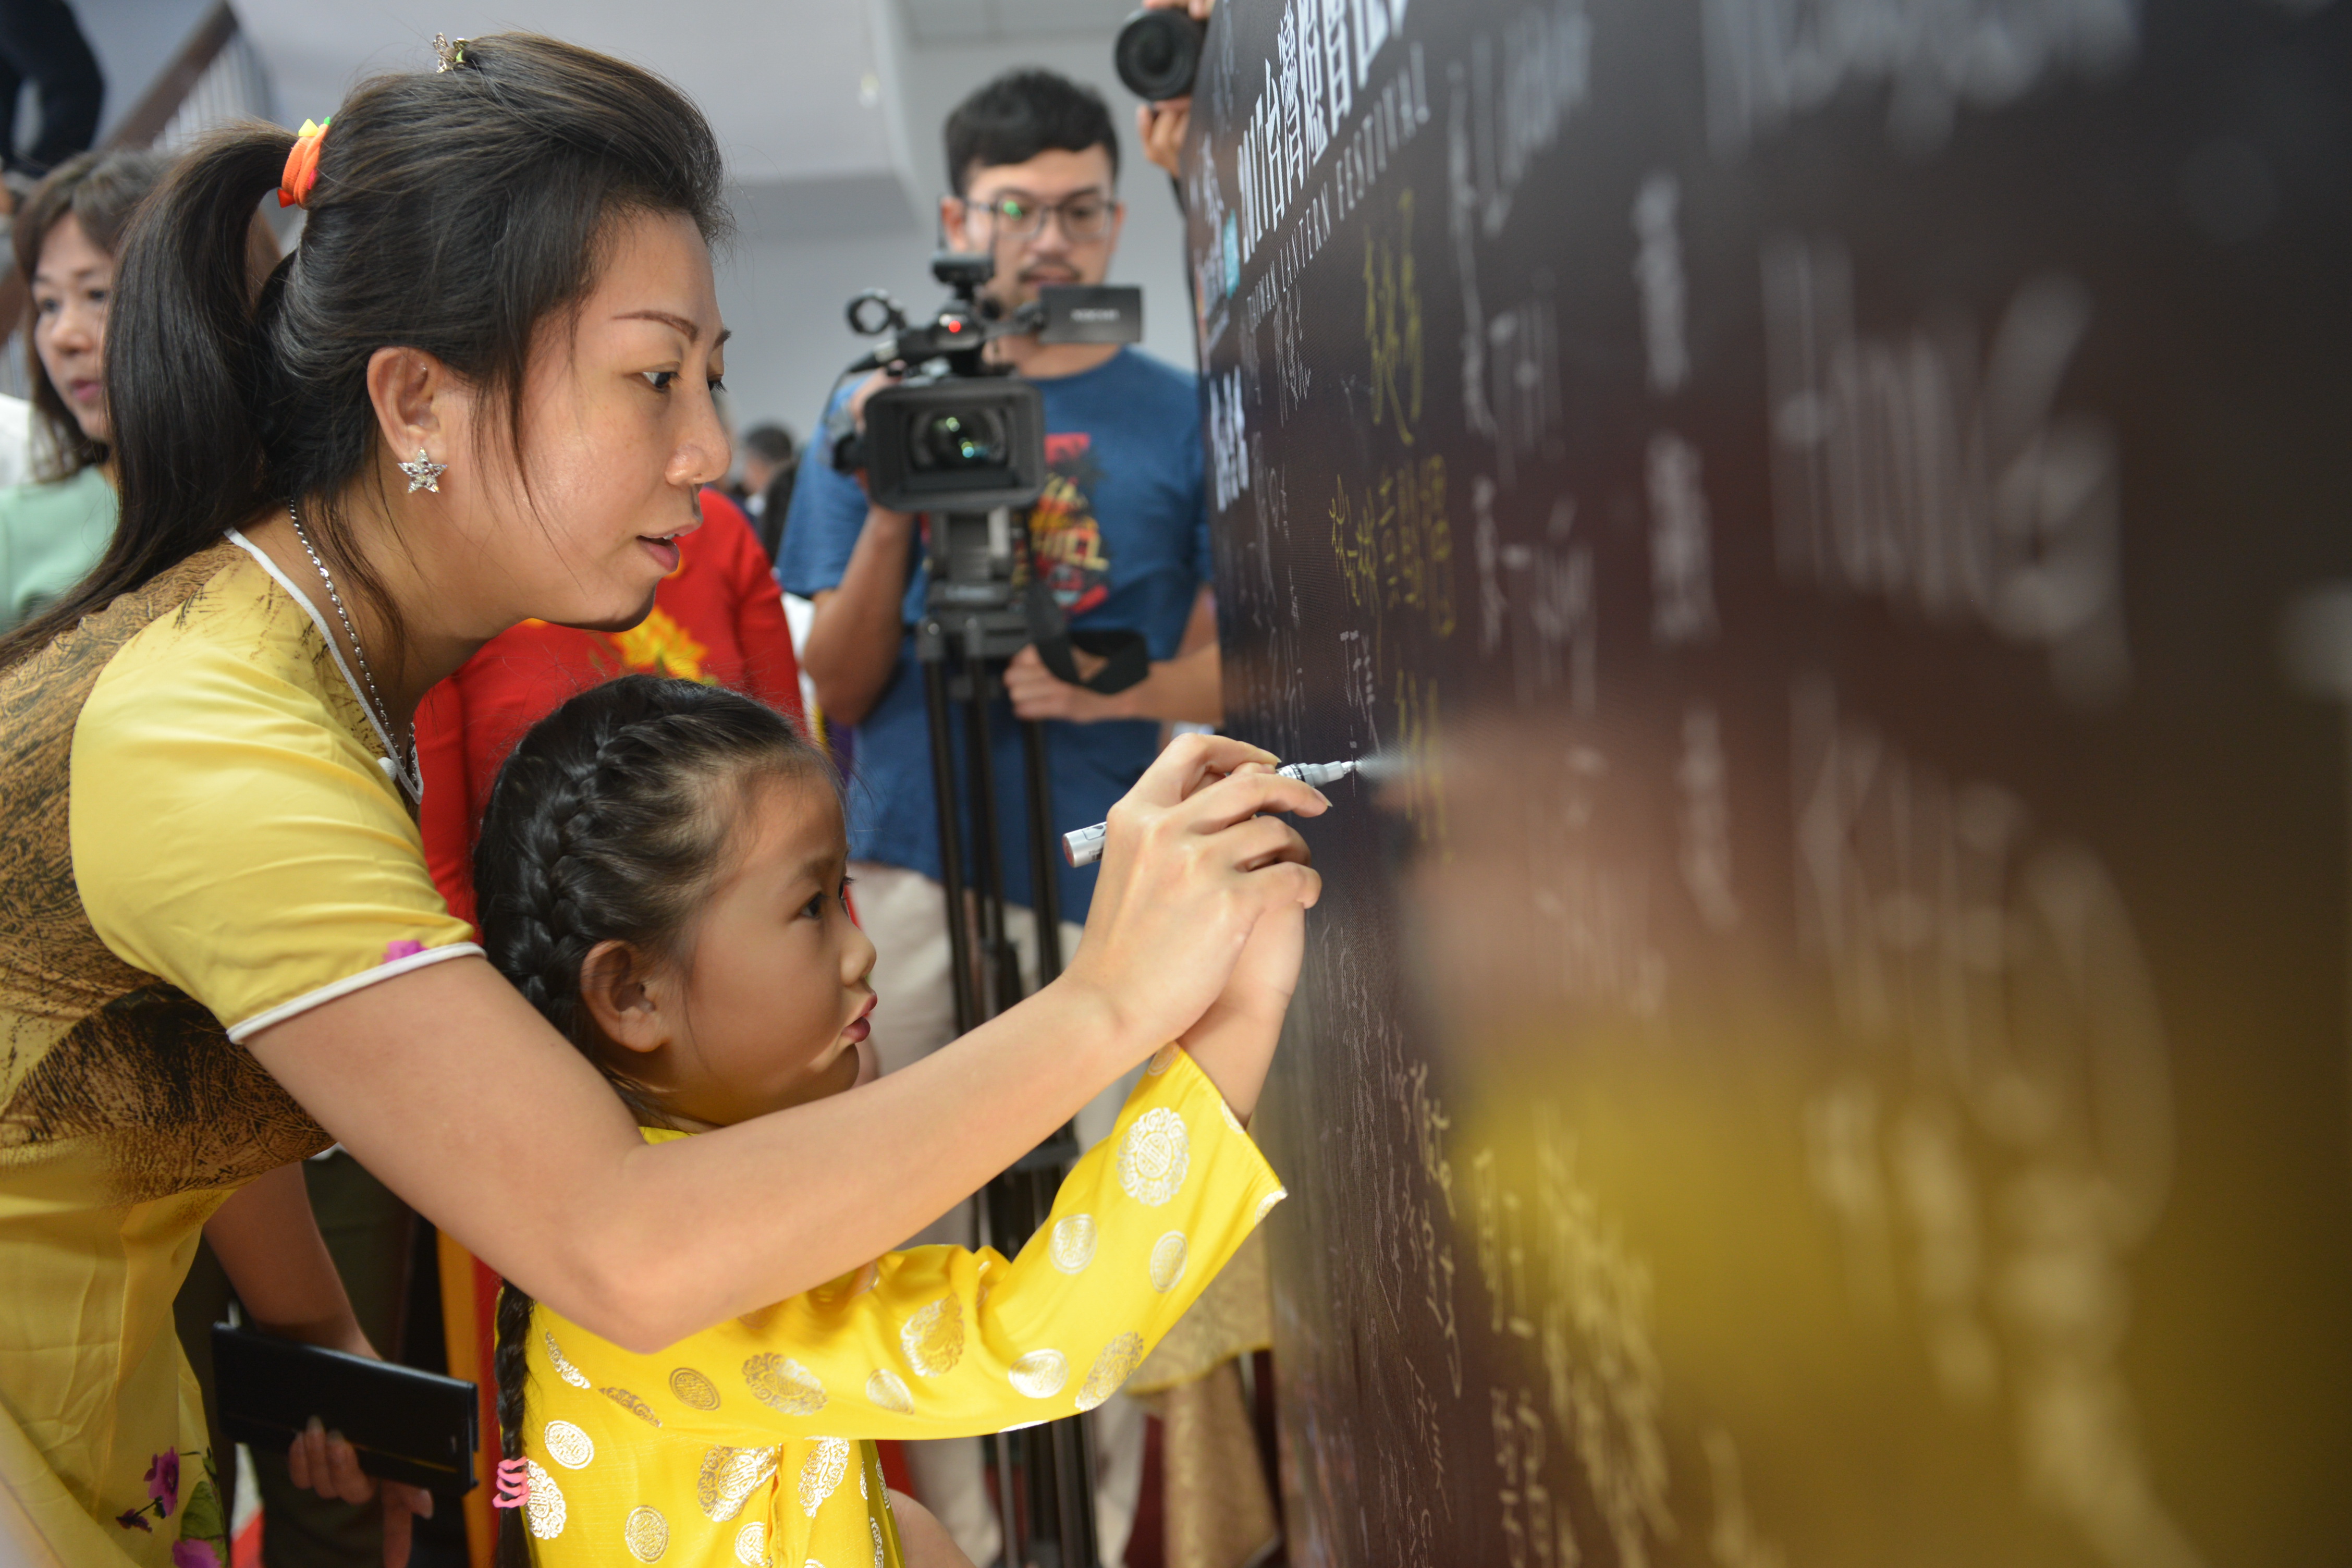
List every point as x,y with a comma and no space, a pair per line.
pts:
1189,869
326,1463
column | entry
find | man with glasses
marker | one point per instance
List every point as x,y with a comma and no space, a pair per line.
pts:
1122,537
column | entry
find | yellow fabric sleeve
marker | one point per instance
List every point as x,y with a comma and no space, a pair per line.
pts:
940,1341
232,838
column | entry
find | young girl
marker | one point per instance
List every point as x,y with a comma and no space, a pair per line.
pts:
661,872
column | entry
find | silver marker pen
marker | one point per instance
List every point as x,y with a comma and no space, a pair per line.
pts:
1084,846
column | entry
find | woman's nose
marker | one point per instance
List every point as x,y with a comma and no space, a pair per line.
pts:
79,329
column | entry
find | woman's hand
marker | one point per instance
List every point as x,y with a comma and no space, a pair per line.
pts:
1160,127
326,1463
1189,869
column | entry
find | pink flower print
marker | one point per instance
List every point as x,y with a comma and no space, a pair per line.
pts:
134,1518
394,951
194,1554
163,1481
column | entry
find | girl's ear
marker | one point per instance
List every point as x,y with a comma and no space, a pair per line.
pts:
621,990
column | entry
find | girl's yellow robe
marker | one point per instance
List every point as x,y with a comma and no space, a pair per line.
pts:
751,1443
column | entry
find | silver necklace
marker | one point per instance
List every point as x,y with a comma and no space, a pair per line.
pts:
404,769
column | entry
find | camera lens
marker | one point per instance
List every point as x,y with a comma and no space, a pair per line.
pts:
1157,53
957,439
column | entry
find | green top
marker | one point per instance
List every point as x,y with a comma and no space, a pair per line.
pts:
50,536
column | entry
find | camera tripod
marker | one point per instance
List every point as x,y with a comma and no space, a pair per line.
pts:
972,625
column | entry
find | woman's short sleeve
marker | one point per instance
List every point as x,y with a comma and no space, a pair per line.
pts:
232,838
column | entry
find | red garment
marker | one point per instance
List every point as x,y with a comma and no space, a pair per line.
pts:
719,618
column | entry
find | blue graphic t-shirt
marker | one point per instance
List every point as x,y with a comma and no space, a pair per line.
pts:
1122,536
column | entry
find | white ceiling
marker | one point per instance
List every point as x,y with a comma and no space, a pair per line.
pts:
779,79
931,22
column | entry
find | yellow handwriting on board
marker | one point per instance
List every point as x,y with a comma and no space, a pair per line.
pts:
1392,324
1395,543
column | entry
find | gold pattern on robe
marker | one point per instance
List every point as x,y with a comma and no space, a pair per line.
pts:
1163,1059
632,1403
564,1369
1073,1246
1231,1119
875,1526
751,1545
886,1390
646,1533
1040,1374
1265,1204
1119,1359
567,1445
933,1338
729,1476
693,1390
1168,1254
824,1469
1154,1156
542,1511
784,1384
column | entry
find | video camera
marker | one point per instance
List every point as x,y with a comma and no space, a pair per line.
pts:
957,434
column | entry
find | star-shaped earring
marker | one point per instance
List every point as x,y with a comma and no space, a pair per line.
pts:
423,474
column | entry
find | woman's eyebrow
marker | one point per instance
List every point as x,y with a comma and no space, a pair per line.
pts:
77,275
689,330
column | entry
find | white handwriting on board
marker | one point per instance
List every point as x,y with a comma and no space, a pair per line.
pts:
1770,60
2000,1138
1323,55
1705,851
1682,548
1520,95
1229,465
1944,478
1539,599
1392,117
1658,273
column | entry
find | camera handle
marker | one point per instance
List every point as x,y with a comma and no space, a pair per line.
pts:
977,634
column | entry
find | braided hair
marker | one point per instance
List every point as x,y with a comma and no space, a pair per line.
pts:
610,821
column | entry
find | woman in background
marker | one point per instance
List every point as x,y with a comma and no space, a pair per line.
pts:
55,529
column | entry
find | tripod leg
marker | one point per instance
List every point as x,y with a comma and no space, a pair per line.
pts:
1003,977
1045,877
932,651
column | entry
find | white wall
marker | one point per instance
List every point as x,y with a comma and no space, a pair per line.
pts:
782,287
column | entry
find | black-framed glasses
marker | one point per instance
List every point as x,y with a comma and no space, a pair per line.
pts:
1086,217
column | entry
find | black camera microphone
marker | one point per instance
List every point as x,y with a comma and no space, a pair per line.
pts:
1158,54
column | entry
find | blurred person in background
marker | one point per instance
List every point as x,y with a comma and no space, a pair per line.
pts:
770,461
42,43
54,530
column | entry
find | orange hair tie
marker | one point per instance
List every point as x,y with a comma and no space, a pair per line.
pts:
302,165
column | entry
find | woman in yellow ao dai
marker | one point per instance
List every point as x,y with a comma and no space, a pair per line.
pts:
751,1443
